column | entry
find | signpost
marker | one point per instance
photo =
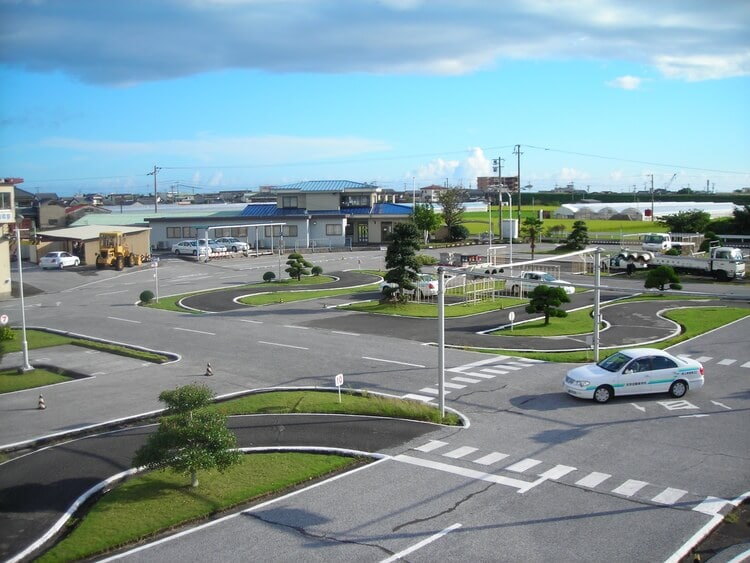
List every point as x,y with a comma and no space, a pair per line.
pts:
3,319
339,382
511,317
155,266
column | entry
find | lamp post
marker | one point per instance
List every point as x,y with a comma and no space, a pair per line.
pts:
510,234
24,344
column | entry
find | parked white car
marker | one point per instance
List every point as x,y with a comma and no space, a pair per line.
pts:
58,260
234,244
635,371
213,245
527,281
190,247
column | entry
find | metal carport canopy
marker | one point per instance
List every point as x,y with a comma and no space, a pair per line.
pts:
88,232
256,225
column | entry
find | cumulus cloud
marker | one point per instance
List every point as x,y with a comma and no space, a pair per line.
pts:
626,82
128,42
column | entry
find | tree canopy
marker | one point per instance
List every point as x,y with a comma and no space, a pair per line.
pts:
297,266
426,219
531,230
190,438
451,201
401,258
662,276
693,221
578,239
547,300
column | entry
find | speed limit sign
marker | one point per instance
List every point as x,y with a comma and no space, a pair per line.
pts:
3,319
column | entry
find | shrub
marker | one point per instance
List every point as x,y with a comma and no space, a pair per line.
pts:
269,276
316,270
146,296
426,260
458,232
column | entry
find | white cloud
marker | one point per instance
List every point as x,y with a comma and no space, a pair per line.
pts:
626,82
147,41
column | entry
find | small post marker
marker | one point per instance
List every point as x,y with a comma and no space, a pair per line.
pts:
41,406
209,370
339,382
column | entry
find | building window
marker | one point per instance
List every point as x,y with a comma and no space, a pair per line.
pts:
5,200
354,201
333,230
289,202
189,232
174,232
277,230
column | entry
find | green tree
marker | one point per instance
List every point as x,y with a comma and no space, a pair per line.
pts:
660,276
401,260
741,220
531,230
451,201
693,221
190,438
547,300
426,219
709,237
297,266
578,239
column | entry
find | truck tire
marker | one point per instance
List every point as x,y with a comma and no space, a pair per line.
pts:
721,275
120,263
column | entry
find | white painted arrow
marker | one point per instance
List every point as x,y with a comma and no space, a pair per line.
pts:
640,408
721,405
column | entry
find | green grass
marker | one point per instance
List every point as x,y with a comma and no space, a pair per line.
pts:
283,402
149,503
429,310
11,380
577,322
302,295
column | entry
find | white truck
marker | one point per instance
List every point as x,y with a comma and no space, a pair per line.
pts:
722,262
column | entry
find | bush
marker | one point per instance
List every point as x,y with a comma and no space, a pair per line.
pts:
269,276
426,260
458,232
316,270
146,296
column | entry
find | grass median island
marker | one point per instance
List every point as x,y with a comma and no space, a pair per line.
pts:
11,380
151,503
158,501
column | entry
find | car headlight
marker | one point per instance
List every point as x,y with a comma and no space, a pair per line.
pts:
579,383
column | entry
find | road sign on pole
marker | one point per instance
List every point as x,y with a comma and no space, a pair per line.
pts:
339,382
3,319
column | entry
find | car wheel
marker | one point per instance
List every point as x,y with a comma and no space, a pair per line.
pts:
603,394
234,249
177,252
678,389
195,253
61,266
77,263
515,290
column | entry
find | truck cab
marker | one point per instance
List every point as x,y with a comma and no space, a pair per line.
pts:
656,242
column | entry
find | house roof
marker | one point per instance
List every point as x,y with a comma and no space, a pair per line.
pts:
89,232
326,186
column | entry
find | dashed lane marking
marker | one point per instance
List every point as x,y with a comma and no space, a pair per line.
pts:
745,365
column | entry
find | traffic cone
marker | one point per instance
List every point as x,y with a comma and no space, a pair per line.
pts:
209,371
41,406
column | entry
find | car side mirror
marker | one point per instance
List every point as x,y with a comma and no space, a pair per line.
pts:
629,370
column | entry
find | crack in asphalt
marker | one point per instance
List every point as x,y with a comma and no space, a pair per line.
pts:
446,511
319,536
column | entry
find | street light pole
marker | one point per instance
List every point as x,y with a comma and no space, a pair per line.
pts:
441,341
24,344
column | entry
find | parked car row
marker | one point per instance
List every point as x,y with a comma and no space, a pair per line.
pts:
193,247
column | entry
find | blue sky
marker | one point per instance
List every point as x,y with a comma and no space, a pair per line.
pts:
234,94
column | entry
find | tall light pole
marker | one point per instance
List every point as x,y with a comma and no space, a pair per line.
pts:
24,344
510,234
518,153
156,195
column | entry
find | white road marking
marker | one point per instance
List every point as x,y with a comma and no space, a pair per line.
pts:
523,465
460,452
196,331
482,375
677,405
669,496
112,292
454,385
557,471
711,506
489,459
432,391
251,321
424,542
465,379
693,415
492,371
630,487
704,359
727,362
345,333
282,345
717,403
415,397
124,320
745,365
522,486
431,445
593,479
640,408
299,327
392,362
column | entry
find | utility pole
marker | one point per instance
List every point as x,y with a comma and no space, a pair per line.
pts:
652,197
156,195
497,166
518,153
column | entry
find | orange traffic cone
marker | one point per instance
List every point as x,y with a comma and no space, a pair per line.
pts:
41,406
209,371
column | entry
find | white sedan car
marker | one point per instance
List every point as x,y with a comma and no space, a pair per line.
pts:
635,371
527,281
190,247
234,244
58,260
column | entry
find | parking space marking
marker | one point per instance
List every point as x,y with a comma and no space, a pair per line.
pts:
630,487
593,479
669,496
460,452
523,465
491,458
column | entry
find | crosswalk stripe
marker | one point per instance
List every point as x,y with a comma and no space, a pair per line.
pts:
465,379
711,506
431,445
745,365
494,371
726,362
432,391
482,375
593,479
415,397
629,487
489,459
523,465
557,471
704,359
519,364
460,452
504,366
454,385
669,496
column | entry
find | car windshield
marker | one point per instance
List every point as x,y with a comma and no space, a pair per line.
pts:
548,277
615,362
